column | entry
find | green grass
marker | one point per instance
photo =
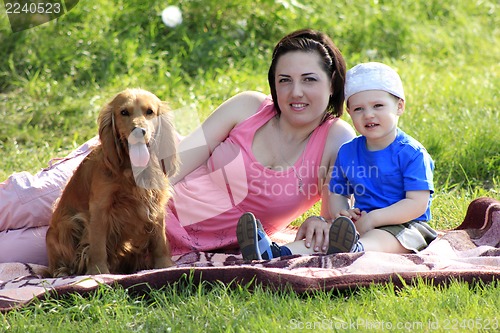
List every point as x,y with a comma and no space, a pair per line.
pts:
55,77
188,307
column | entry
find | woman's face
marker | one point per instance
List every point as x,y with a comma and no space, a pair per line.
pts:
303,88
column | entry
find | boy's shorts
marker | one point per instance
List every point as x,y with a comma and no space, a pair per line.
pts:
413,235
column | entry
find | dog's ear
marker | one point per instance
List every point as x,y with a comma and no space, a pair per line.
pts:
111,147
166,141
164,108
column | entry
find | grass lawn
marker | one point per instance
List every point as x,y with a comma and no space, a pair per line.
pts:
55,77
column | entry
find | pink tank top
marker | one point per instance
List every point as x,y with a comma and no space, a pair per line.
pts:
208,202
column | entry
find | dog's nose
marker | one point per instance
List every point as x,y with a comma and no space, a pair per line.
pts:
139,131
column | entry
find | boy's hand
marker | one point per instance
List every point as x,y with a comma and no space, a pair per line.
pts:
365,222
354,213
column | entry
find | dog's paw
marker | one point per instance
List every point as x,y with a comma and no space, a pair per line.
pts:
60,272
163,262
97,269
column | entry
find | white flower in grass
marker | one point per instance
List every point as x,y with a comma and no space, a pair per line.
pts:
372,53
171,16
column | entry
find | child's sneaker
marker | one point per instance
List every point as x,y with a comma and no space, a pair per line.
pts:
254,243
343,237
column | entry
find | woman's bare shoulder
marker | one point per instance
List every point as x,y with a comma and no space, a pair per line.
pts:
247,102
340,132
232,112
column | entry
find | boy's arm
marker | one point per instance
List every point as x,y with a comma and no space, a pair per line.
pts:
407,209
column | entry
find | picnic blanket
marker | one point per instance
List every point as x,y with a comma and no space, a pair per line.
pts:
469,253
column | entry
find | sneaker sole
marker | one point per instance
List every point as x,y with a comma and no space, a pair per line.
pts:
246,233
342,236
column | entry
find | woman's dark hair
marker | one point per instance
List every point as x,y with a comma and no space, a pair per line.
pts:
308,40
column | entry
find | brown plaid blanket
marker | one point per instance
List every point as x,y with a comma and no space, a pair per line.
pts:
469,253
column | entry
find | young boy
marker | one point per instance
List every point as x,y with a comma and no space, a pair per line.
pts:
388,172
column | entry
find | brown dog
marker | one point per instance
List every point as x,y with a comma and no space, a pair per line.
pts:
110,217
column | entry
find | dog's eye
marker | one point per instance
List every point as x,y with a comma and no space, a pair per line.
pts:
149,112
124,112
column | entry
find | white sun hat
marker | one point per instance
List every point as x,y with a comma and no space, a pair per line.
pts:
373,76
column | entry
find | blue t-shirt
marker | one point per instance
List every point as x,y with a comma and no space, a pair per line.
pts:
381,178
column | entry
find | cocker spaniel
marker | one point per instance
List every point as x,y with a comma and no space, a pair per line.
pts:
110,216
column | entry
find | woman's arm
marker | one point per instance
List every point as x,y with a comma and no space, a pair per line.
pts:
340,133
195,149
314,230
339,205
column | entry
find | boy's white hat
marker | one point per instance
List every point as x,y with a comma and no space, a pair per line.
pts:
373,76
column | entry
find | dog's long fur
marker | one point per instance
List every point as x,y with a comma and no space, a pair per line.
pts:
104,222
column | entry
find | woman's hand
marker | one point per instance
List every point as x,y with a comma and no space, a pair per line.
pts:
315,232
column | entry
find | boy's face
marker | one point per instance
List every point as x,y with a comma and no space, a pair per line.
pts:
375,115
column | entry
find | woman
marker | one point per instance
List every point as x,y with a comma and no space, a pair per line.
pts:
253,153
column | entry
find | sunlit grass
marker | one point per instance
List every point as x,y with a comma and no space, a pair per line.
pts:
54,79
190,307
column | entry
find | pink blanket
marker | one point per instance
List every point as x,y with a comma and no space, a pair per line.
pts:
469,253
